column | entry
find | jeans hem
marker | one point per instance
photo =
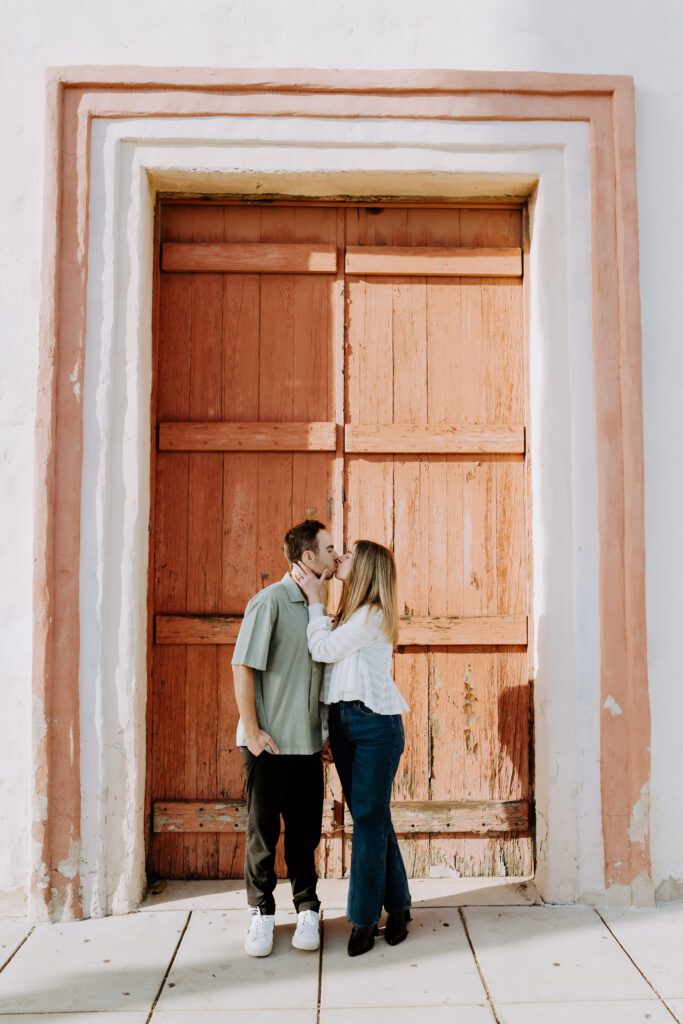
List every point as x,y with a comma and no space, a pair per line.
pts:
355,925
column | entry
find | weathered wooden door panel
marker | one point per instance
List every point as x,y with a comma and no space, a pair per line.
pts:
423,351
432,413
232,348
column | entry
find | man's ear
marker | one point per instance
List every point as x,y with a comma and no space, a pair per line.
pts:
308,559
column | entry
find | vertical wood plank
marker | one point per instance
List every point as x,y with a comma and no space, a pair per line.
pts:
411,527
240,576
204,554
445,374
231,785
445,384
331,854
369,358
170,542
410,350
240,347
411,669
151,692
168,776
276,341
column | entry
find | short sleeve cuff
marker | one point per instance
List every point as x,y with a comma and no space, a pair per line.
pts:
247,661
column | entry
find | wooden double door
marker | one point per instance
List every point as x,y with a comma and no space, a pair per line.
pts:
364,366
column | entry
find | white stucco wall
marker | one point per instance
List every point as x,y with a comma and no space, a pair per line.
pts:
636,38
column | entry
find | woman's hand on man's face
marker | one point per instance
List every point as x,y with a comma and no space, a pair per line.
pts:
311,584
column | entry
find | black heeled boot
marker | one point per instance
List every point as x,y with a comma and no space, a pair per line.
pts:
396,928
362,940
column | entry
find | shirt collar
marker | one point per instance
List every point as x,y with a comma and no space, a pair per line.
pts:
293,591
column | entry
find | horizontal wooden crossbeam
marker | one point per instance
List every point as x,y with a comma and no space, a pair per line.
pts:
432,261
197,629
223,816
479,817
414,630
359,438
473,816
247,437
449,631
442,439
249,258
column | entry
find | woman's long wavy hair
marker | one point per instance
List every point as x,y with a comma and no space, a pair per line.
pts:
371,582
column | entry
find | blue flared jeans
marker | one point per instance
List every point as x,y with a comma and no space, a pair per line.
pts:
367,748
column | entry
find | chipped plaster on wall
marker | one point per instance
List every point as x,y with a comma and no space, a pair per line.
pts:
669,890
639,825
612,706
69,866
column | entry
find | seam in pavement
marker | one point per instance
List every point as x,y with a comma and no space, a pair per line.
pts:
642,973
10,958
320,967
168,969
479,967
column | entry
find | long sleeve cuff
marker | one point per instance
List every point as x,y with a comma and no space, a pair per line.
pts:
315,611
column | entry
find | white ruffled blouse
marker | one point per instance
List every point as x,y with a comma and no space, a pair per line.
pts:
357,657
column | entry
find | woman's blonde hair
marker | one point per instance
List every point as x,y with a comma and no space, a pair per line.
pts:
371,582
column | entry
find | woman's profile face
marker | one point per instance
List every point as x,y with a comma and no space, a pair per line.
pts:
344,565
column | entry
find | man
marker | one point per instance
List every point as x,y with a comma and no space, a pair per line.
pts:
277,688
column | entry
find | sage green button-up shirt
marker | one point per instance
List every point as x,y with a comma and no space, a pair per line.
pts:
272,641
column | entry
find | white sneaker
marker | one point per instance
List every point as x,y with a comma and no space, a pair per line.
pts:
259,940
307,934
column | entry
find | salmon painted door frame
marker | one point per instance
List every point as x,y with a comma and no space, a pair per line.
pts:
83,101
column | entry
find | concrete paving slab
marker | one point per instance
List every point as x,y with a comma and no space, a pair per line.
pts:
446,892
551,954
636,1011
441,892
676,1007
473,892
406,1015
138,1017
111,963
206,895
13,931
654,938
433,967
212,971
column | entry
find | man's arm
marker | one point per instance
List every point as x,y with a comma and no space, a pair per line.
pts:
257,738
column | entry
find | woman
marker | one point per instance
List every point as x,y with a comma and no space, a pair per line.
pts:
365,729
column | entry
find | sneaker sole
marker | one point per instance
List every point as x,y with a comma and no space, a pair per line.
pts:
306,947
250,952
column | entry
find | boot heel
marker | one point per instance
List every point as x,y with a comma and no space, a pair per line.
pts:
396,929
361,940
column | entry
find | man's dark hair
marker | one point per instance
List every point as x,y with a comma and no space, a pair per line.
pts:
302,537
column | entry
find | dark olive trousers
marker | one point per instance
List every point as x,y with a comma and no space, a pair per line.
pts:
290,785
